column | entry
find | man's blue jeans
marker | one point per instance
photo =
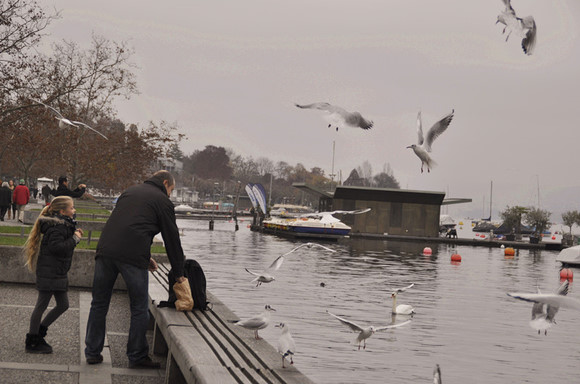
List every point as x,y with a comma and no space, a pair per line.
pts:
137,282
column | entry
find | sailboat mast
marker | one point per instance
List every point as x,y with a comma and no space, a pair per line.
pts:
490,199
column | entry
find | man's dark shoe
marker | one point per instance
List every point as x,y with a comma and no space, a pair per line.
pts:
145,362
95,359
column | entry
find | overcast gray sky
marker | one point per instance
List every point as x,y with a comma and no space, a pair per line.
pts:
229,73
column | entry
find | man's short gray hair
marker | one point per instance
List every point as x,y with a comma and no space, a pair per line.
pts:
165,175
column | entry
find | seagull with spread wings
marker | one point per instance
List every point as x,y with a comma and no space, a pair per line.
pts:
543,320
524,27
424,143
63,121
266,275
339,117
365,332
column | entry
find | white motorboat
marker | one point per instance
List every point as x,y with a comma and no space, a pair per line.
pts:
569,256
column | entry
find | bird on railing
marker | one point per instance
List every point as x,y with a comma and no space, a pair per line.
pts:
257,322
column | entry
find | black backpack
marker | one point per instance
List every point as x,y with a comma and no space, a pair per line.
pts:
194,273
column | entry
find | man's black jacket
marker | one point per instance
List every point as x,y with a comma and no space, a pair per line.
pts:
141,212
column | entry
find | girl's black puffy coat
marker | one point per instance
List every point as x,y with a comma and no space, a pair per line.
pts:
56,251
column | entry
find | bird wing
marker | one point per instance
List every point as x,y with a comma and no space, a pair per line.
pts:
437,129
552,310
253,323
508,5
276,264
49,107
398,290
352,325
324,107
253,273
529,41
419,129
91,128
308,245
549,299
378,329
365,123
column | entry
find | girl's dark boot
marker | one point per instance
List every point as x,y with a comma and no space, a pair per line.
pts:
36,344
42,331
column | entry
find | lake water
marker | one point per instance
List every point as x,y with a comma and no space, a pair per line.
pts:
465,322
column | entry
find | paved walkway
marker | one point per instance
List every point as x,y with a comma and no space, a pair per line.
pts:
66,336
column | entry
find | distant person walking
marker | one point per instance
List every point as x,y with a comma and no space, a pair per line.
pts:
124,247
5,200
20,197
49,250
63,189
46,193
12,209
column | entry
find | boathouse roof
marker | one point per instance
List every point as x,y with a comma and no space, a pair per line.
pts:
388,194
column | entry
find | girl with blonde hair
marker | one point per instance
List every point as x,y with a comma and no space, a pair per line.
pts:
49,250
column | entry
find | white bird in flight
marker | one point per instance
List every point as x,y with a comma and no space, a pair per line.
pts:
401,309
266,275
328,217
525,28
257,322
339,116
543,320
424,143
286,344
437,375
63,121
365,332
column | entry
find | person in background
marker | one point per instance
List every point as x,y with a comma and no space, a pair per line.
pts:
46,194
124,247
63,189
5,200
20,197
12,209
49,251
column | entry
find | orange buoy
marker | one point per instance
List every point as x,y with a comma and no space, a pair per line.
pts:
509,251
455,257
566,274
427,251
553,237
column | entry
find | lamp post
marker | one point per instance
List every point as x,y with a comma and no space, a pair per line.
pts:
212,207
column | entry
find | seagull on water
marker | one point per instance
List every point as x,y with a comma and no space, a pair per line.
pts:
365,332
423,146
266,275
526,27
63,121
286,344
543,320
257,322
339,116
328,217
401,309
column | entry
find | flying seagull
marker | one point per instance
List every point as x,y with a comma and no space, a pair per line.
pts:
257,322
63,121
543,320
266,275
526,27
365,332
437,375
286,344
423,146
339,116
328,217
401,309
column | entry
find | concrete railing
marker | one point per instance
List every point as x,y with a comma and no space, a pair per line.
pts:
13,270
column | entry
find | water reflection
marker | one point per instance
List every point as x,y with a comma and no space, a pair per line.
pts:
464,320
